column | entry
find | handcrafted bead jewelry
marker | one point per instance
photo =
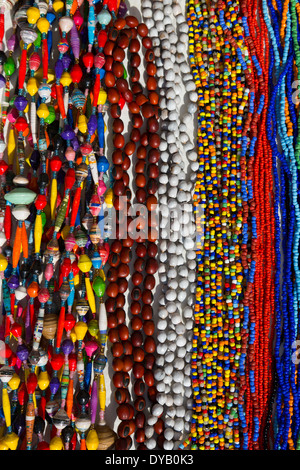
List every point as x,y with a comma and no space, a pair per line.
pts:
177,258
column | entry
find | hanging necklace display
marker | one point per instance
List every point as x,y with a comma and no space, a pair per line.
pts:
177,258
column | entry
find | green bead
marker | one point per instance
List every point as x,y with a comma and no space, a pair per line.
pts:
20,196
44,219
51,116
37,43
93,327
99,286
9,66
125,73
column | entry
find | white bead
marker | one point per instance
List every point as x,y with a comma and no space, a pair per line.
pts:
150,444
157,410
163,313
178,400
160,386
168,445
168,434
169,357
169,400
161,348
152,420
20,212
179,364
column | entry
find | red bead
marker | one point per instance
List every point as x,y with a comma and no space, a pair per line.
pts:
3,167
40,202
21,124
102,38
57,361
16,330
88,60
55,163
70,178
69,322
31,382
76,73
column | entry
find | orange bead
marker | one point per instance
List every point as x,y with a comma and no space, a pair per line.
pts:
33,289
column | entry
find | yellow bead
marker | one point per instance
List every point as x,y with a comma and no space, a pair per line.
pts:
3,263
43,111
73,336
58,6
33,15
43,380
32,86
3,445
84,263
39,75
11,440
109,197
66,79
14,382
26,109
43,25
65,232
102,97
92,440
56,443
80,330
82,123
76,280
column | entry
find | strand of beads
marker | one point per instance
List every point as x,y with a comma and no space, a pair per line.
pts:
177,264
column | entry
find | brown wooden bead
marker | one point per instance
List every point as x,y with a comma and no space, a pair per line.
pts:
122,394
141,99
126,428
147,110
127,347
139,387
118,126
128,96
142,30
113,335
134,45
140,181
120,315
149,345
135,135
153,125
123,41
109,79
113,95
151,69
138,370
117,157
139,403
140,436
135,60
149,56
140,420
141,195
147,297
149,282
135,74
117,349
113,34
112,289
154,97
120,381
139,265
132,21
153,156
126,163
117,69
137,121
120,301
152,186
112,274
108,48
147,312
115,111
140,166
111,319
124,333
117,172
137,337
147,42
117,364
123,270
159,426
119,188
121,444
151,203
133,107
151,266
151,84
149,378
110,305
154,140
136,294
128,242
137,278
118,141
129,148
127,363
125,411
138,354
123,285
152,392
149,361
120,23
108,63
152,249
135,308
118,54
137,88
